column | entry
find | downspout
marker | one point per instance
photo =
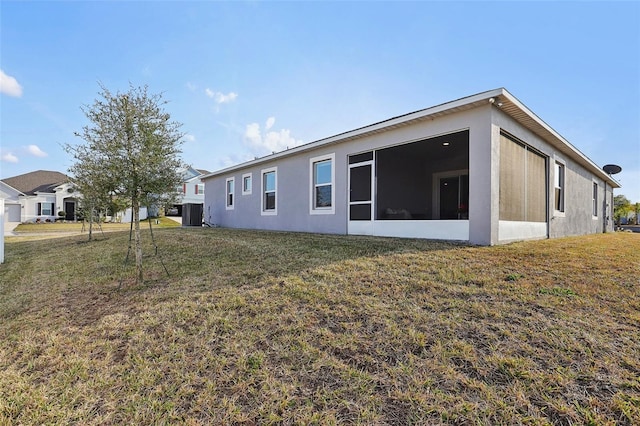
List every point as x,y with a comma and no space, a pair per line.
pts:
605,219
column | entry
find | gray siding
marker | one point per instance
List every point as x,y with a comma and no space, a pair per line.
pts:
294,179
577,218
484,123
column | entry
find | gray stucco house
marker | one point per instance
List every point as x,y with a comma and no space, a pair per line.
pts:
483,169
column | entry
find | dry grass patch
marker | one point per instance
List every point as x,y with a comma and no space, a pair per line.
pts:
279,328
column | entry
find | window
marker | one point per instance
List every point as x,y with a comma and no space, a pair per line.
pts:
199,188
246,184
322,177
45,209
230,192
595,199
180,189
269,191
559,180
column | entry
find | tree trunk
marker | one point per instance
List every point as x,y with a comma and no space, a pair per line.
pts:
135,208
90,223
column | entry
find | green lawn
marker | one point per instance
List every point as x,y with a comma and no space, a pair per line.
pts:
79,227
278,328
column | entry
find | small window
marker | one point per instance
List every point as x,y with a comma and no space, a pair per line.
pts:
46,209
230,193
180,189
269,191
595,199
246,184
559,187
199,188
322,177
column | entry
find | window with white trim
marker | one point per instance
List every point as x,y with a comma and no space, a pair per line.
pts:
247,183
230,193
199,188
559,186
269,191
45,209
595,200
322,173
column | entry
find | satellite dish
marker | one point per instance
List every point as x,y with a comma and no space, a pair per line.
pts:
612,169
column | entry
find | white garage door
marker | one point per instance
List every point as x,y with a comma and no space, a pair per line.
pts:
12,212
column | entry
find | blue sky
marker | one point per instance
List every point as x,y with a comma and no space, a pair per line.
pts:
248,78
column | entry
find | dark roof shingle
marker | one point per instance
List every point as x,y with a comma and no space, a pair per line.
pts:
38,181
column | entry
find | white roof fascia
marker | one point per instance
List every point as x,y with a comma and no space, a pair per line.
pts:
583,159
12,188
445,108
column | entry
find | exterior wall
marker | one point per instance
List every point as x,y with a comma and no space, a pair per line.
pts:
190,196
12,208
65,193
30,210
484,226
190,178
577,218
482,175
292,198
294,184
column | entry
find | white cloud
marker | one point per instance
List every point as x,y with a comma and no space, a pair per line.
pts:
270,122
192,87
273,141
9,85
9,158
252,134
189,138
220,97
36,151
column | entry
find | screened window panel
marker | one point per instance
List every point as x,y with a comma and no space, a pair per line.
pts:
512,180
360,212
360,184
360,158
536,188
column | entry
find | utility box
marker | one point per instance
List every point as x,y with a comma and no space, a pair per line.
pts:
192,214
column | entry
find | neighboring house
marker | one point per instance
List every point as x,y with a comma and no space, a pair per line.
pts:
482,169
42,194
38,195
192,189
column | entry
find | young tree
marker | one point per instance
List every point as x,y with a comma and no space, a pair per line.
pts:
621,208
90,181
131,152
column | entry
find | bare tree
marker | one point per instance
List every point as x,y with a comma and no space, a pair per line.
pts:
131,151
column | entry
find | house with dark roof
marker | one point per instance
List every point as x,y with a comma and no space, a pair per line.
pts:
38,195
483,169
